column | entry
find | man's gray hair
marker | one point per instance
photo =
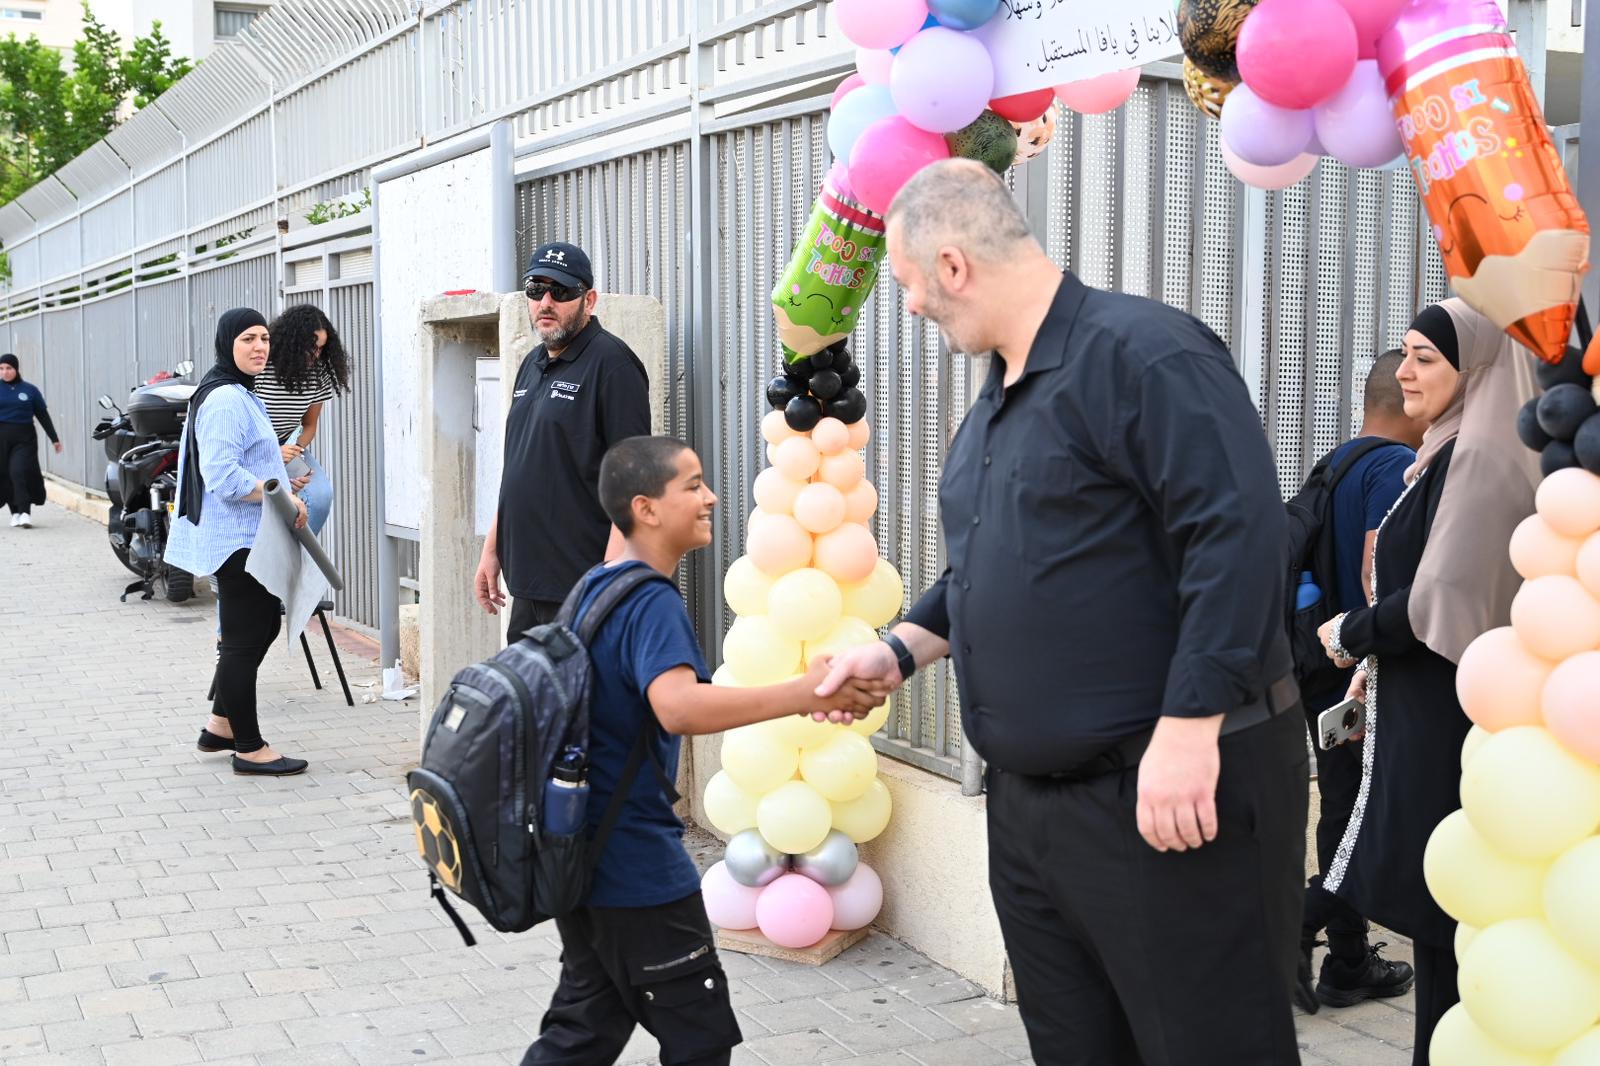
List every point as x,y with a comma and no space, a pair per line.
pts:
960,203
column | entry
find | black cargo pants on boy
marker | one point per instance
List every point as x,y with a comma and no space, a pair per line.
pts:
626,966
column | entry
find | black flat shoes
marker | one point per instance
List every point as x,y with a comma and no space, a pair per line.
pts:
283,766
211,743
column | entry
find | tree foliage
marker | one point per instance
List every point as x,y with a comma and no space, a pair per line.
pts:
49,116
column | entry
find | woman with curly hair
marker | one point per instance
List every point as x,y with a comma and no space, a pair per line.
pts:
308,367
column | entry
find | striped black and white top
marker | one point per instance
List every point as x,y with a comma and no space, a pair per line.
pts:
288,409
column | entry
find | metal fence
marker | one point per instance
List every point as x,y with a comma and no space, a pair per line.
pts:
681,142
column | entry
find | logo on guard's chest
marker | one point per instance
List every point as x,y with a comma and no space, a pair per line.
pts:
564,390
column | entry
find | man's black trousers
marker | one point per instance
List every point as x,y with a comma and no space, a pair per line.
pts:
1126,956
626,966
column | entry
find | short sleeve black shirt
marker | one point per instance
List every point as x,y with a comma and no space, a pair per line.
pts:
565,414
1115,537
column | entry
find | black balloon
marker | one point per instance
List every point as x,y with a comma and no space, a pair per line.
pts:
1563,409
850,376
843,360
1586,444
1528,428
850,407
782,389
803,414
799,370
1557,455
1567,372
825,384
822,360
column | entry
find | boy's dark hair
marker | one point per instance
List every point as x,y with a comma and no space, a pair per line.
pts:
294,345
638,466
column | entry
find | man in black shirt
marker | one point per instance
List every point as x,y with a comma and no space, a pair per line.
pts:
578,393
1113,605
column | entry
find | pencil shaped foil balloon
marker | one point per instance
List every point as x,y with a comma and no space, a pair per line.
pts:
1514,240
818,299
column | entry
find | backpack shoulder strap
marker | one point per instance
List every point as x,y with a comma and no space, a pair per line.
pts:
611,598
1357,454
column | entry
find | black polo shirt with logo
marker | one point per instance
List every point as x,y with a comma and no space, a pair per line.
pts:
1116,540
565,413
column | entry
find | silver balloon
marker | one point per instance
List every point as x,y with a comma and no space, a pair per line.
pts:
830,862
752,861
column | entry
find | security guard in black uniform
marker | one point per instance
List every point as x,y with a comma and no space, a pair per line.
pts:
578,393
1113,605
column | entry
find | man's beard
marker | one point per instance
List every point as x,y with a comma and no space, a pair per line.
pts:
564,331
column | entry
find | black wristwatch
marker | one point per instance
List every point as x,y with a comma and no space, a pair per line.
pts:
908,662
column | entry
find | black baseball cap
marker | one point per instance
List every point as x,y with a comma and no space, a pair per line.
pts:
561,262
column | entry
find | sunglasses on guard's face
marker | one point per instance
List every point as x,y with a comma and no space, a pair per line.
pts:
536,290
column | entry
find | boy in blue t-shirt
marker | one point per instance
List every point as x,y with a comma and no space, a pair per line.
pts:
640,952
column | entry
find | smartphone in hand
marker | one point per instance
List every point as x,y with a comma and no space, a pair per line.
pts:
1340,722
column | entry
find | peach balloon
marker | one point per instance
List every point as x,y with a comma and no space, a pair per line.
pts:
1556,617
1589,564
850,553
1570,501
820,507
778,545
831,436
797,458
1537,550
774,493
843,471
775,428
860,435
1572,705
861,502
1499,681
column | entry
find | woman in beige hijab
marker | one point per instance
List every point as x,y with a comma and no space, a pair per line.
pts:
1441,576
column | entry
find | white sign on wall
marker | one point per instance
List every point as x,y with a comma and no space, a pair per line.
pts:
1036,44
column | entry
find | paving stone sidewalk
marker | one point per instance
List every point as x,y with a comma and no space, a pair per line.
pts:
155,909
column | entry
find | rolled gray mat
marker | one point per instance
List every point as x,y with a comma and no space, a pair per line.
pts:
281,503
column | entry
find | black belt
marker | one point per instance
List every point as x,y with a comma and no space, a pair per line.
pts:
1281,696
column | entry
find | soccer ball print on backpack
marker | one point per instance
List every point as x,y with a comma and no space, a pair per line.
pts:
496,738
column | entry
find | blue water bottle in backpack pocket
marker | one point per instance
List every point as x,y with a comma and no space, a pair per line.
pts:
566,794
1308,594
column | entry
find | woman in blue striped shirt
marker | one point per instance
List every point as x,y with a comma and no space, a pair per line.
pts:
229,453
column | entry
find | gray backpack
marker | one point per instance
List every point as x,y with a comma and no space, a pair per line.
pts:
478,794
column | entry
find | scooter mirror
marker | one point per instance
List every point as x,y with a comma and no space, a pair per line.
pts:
184,369
106,404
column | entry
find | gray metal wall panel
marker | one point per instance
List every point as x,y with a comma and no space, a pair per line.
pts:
110,367
59,252
351,430
247,283
158,204
231,171
108,228
64,387
162,312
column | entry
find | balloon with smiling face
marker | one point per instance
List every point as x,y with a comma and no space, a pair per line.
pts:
1033,137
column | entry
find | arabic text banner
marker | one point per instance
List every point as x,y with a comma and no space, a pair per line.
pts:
1041,43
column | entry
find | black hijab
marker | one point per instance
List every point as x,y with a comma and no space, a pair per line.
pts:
1435,323
192,493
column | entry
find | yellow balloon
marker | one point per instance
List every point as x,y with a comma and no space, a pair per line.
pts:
867,815
1473,881
1457,1041
841,769
802,730
1584,1051
758,653
1465,935
730,808
878,599
1530,797
793,818
846,634
1525,990
1469,747
872,722
746,588
758,759
1572,900
805,604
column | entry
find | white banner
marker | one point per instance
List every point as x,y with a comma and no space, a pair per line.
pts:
1040,43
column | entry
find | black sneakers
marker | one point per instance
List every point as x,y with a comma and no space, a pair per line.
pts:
1305,997
1345,983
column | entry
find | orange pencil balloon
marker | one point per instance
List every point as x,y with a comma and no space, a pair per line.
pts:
1514,240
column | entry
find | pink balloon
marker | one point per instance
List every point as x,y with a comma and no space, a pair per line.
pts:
1297,53
848,555
794,911
886,155
843,470
1499,681
796,458
778,544
857,902
729,904
1570,501
1097,95
1263,134
1268,177
874,65
860,435
879,23
774,493
854,81
1571,708
839,178
1370,19
819,508
861,502
1556,617
1539,551
942,80
831,436
1355,125
1588,564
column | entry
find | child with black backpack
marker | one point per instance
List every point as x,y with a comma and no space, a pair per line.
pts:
640,949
